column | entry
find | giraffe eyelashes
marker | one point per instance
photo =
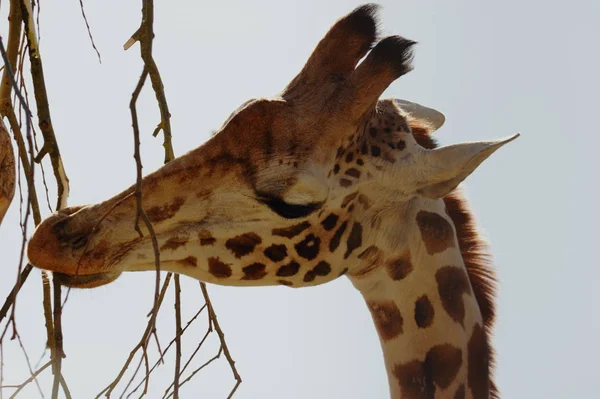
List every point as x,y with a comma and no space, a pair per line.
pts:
289,211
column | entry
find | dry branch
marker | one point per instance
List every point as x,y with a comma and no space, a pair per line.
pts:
213,316
23,9
27,381
12,50
89,31
50,146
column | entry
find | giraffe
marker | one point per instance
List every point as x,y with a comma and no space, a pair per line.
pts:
323,180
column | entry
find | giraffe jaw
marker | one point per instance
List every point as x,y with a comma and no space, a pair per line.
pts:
86,281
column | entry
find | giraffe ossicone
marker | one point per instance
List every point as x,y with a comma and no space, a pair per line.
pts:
321,181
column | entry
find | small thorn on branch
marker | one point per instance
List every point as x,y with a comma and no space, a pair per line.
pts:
133,39
41,154
159,127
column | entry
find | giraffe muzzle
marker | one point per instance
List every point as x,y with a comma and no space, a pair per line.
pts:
63,244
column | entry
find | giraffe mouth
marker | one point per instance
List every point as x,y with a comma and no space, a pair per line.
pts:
87,280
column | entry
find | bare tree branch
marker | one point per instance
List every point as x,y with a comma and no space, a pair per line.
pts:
89,31
211,311
145,35
27,381
177,337
50,146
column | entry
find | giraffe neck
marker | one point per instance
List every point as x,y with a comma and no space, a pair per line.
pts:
424,310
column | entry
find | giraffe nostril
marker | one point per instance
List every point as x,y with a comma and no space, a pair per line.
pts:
79,242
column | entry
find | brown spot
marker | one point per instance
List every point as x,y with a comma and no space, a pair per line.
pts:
218,268
353,172
348,198
350,208
445,361
160,213
190,261
364,148
478,358
288,270
452,284
207,241
420,379
373,132
413,381
286,283
206,238
243,244
387,318
400,267
349,157
173,243
309,247
276,252
354,239
292,231
436,232
309,276
360,162
330,221
345,182
336,168
460,392
400,145
335,240
375,151
424,312
255,271
321,269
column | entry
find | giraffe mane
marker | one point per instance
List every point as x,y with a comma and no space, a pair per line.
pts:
473,248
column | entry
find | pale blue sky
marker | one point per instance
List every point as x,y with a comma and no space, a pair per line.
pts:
493,68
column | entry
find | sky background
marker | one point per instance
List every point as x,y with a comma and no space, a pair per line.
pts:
493,68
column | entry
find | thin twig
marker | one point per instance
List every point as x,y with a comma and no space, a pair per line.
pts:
198,370
12,50
89,30
28,362
58,338
208,331
10,299
145,35
169,346
177,338
211,311
27,381
50,146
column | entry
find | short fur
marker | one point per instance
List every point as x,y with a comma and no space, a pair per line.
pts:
474,249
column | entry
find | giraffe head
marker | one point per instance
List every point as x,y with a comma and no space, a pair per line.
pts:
292,190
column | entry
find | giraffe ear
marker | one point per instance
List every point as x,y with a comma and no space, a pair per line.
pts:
445,168
348,40
432,118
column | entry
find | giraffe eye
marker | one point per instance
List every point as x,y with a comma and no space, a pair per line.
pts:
289,211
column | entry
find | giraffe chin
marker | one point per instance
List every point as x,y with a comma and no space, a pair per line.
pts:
87,280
